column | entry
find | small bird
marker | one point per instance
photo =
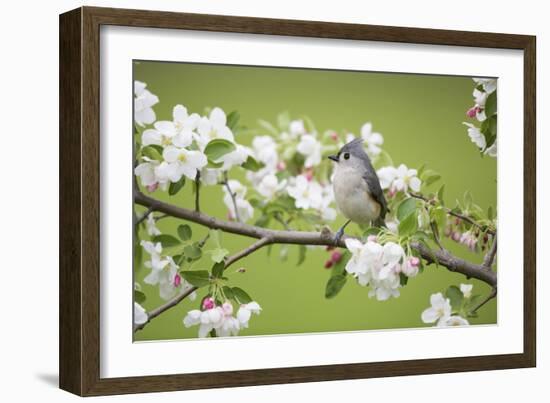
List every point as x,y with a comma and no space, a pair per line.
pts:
357,189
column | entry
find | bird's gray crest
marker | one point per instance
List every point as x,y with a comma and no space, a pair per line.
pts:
354,145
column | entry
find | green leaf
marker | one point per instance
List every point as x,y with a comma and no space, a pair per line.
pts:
218,254
301,254
166,240
262,221
233,119
198,278
252,164
406,208
217,148
491,104
184,232
371,231
409,225
139,297
468,200
228,292
175,187
455,296
403,279
192,252
490,213
241,295
439,216
429,176
441,193
335,285
489,130
152,153
340,267
383,160
217,269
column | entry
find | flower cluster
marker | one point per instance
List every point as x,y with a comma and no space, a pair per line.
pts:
164,272
484,110
380,266
442,313
220,319
308,193
399,179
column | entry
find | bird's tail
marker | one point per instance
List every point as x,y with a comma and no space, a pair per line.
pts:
379,222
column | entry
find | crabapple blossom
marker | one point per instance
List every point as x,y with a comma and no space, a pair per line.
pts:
144,101
269,186
140,315
439,311
209,176
178,162
406,178
491,151
235,158
372,140
146,172
489,84
411,266
151,226
469,240
246,311
244,208
265,151
454,320
386,175
310,147
213,127
307,194
466,290
297,128
476,136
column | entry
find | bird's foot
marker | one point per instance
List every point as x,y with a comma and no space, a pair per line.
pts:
338,236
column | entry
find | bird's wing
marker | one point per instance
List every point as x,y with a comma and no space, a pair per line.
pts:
376,192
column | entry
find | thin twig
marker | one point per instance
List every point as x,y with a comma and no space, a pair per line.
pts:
170,304
144,216
490,256
492,295
247,251
197,191
455,214
233,198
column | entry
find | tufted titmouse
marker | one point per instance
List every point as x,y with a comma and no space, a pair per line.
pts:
357,188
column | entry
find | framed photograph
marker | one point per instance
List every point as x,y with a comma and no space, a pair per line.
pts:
250,201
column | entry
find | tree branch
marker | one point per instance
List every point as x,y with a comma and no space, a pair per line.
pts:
323,238
170,304
245,252
490,256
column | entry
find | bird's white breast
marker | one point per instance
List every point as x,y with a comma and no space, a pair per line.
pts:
352,196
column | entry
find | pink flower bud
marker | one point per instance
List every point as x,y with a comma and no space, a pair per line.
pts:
208,303
336,256
456,236
308,173
281,166
152,188
227,308
414,261
334,136
372,238
177,280
471,113
391,192
328,264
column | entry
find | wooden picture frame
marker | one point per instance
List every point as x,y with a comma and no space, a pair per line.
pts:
79,346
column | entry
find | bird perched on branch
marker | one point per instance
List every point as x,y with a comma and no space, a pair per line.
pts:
357,189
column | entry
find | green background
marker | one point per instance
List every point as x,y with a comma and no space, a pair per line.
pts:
420,117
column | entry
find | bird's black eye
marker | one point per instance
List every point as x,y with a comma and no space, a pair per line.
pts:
346,156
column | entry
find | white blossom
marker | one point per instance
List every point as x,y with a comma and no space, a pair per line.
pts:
372,140
269,186
454,320
140,315
179,162
307,194
386,175
406,178
440,310
209,176
491,151
146,172
213,127
466,290
235,158
476,136
144,100
297,128
310,147
246,311
489,84
151,226
243,207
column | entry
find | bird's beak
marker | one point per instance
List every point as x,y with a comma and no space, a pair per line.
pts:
333,157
